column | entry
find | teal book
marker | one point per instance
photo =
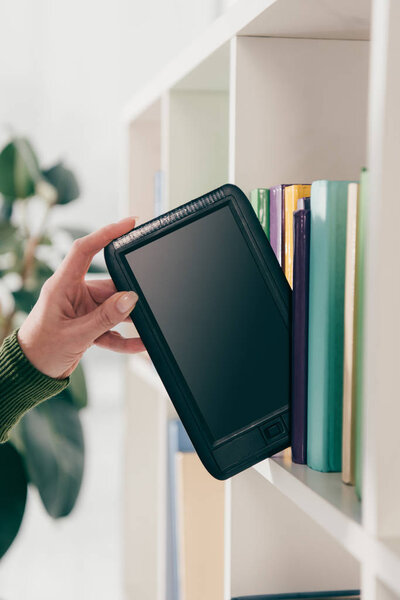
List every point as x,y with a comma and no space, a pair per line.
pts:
358,322
259,199
326,324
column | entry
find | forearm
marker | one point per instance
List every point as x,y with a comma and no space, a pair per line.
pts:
21,385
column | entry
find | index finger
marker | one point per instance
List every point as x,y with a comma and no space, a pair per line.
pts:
76,264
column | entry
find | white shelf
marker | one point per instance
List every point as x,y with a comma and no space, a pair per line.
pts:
336,508
141,365
327,19
316,19
384,560
323,496
259,111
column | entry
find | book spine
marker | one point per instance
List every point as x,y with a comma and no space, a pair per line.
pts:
301,256
326,325
254,200
290,207
283,243
178,441
292,194
348,444
264,211
159,198
201,503
304,203
275,220
359,319
332,594
259,199
172,567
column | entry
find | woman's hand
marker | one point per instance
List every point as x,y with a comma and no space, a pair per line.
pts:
72,314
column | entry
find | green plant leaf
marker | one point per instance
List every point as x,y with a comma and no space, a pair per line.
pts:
13,488
8,240
76,232
77,389
96,269
54,453
64,181
42,272
19,169
25,299
45,241
6,208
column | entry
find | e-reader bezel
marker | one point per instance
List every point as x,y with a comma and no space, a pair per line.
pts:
242,448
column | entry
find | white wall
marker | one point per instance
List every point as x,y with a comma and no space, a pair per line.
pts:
68,67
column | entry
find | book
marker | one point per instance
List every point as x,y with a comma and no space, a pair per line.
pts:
178,441
304,203
259,199
292,194
326,324
363,200
277,221
333,595
301,257
201,530
159,193
348,434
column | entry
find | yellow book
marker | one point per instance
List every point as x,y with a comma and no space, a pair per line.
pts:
201,530
348,437
292,194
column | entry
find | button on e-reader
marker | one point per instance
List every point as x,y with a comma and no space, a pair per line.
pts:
273,430
285,418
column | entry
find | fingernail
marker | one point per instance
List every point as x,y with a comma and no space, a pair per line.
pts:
125,219
126,302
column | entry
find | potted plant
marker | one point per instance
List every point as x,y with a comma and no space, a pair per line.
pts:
46,449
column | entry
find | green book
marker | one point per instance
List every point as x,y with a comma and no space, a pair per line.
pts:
358,322
259,199
326,324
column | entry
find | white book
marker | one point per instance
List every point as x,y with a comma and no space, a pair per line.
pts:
201,530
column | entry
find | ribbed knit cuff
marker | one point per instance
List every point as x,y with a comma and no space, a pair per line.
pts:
22,386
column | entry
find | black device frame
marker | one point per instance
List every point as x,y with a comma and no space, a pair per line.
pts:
235,445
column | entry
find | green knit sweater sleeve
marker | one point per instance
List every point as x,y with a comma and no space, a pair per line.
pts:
21,385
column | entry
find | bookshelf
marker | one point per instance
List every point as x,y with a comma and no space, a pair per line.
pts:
278,90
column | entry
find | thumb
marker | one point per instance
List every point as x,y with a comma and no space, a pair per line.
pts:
114,310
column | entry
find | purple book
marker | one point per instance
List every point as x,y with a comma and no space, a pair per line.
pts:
301,261
277,221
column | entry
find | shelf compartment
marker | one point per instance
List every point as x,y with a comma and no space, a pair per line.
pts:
197,143
335,503
335,507
322,496
300,110
331,19
144,151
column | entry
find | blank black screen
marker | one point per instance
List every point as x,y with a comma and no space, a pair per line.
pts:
218,318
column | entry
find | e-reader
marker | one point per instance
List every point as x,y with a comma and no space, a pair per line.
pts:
214,312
